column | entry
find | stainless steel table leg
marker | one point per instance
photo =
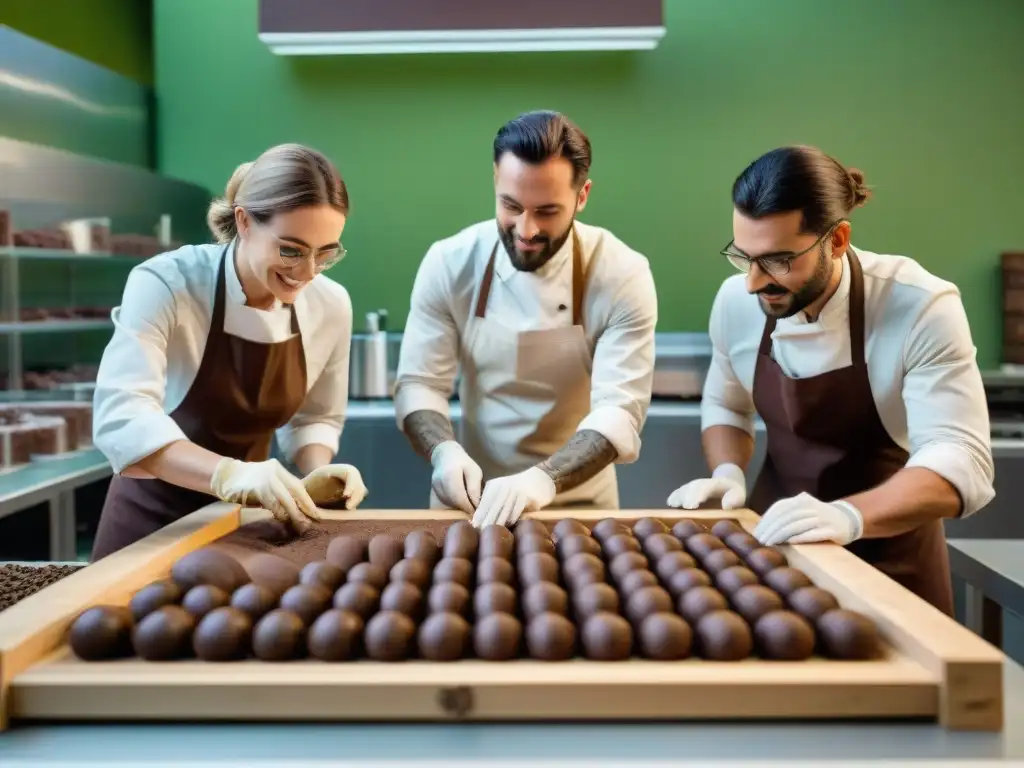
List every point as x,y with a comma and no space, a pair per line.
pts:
63,541
983,616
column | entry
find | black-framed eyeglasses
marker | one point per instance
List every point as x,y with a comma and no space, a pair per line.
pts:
292,254
774,264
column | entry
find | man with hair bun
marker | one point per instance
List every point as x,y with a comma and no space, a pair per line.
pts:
862,368
218,347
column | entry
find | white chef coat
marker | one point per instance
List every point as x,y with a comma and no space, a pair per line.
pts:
160,332
620,313
920,357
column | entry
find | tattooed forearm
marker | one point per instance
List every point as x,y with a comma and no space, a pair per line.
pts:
586,454
427,429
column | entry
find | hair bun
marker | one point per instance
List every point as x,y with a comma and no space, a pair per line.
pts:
235,182
860,191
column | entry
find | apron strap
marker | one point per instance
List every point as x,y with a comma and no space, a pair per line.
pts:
857,352
485,284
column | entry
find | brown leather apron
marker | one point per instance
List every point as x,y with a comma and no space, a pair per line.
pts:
242,392
825,438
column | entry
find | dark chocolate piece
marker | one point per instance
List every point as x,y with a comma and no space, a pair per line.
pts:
606,636
717,560
153,596
723,635
685,580
620,543
684,529
848,635
658,544
307,601
609,527
648,526
700,545
784,635
625,564
527,545
493,598
583,569
461,541
389,635
444,637
414,571
208,566
368,573
421,545
542,597
336,635
279,636
223,634
635,580
385,551
786,580
255,600
531,527
346,552
536,567
496,541
575,543
594,598
494,570
765,559
699,601
454,569
273,572
569,527
550,637
497,637
448,597
403,597
731,579
358,597
754,601
812,602
672,562
200,600
645,601
742,543
164,634
103,632
724,528
322,574
665,637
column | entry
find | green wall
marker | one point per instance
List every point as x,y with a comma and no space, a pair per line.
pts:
923,95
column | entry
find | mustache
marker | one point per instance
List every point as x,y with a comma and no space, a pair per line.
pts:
772,290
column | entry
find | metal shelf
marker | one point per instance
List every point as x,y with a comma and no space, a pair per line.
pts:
54,326
31,254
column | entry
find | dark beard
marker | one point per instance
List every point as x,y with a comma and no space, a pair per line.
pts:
531,261
805,295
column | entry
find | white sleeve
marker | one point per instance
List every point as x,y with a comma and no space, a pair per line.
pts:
947,412
321,417
623,369
429,357
724,400
129,422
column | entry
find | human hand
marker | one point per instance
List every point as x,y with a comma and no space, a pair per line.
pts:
804,519
727,482
265,484
335,486
456,479
506,498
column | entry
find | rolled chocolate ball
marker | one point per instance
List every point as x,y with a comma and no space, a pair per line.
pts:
786,580
444,637
494,570
497,637
544,597
754,601
699,601
672,562
607,528
273,572
717,560
536,567
550,637
336,635
606,636
569,527
648,526
531,527
742,543
461,541
389,635
846,635
723,636
812,602
493,598
358,597
529,544
765,559
254,600
594,598
415,571
368,573
223,634
784,636
403,597
385,551
665,637
200,600
153,596
700,545
103,632
421,545
583,569
448,597
208,566
732,579
636,580
625,564
496,541
164,634
619,544
346,552
455,570
724,528
684,529
682,581
575,543
659,544
321,573
645,601
307,601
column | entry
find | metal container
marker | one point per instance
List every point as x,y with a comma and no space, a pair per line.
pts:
370,375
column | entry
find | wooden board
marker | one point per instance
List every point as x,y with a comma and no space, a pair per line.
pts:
933,667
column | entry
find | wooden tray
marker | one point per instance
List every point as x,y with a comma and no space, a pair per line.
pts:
934,668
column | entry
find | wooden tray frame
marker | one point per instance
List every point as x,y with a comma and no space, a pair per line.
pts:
935,668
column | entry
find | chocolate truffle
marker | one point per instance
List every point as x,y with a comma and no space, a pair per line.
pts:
594,598
453,569
527,545
658,544
846,635
636,580
723,636
575,543
279,636
413,571
812,602
717,560
493,598
389,636
385,551
742,543
537,566
664,637
421,545
103,632
448,597
164,634
754,601
254,600
569,527
786,580
583,569
724,528
208,566
273,572
645,601
648,526
685,580
200,600
307,601
497,637
543,597
153,596
625,564
672,562
550,637
496,541
784,635
223,634
619,544
336,635
346,552
358,597
368,573
606,636
531,527
461,541
321,573
731,579
684,529
700,545
494,570
403,597
699,601
444,637
765,559
607,528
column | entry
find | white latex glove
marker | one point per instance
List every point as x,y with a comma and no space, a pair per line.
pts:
456,479
355,489
727,482
265,484
506,498
804,519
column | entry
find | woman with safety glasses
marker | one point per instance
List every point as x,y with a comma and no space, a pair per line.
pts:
218,347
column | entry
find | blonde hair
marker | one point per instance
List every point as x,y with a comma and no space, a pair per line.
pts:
283,178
